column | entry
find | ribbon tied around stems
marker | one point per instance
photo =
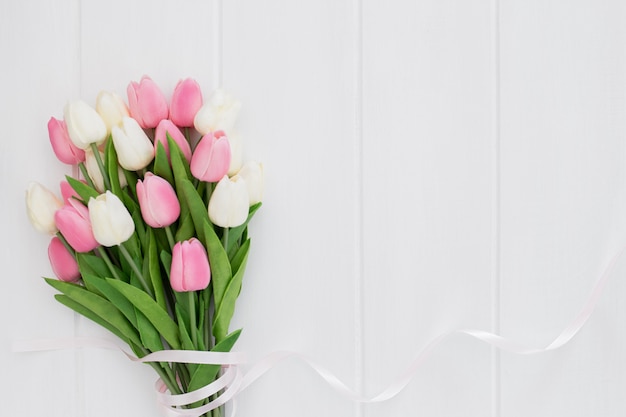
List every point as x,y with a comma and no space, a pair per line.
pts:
232,381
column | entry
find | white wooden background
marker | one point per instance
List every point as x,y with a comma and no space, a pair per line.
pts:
431,165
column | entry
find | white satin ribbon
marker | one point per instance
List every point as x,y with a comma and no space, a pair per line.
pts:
231,382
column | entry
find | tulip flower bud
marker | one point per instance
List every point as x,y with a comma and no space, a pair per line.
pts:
236,154
74,224
160,136
41,204
219,113
186,101
61,143
157,200
147,103
111,108
110,220
211,158
252,173
134,149
229,202
63,263
68,192
84,124
190,269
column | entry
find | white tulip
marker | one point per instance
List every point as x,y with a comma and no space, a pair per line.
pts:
84,124
236,154
252,173
134,149
111,222
41,204
229,206
111,108
218,113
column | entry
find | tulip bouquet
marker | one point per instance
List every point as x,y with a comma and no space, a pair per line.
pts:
149,239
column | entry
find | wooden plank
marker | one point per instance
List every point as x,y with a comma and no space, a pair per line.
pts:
563,202
427,122
290,63
38,73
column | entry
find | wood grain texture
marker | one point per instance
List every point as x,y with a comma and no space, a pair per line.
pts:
562,202
430,166
427,201
39,54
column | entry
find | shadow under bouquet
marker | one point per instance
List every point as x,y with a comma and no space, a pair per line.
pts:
150,239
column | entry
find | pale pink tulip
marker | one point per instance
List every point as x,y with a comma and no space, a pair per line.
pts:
62,261
186,101
146,102
211,159
61,143
74,224
167,126
190,269
157,200
67,192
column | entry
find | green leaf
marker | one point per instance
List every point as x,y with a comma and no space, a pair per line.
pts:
154,270
91,264
162,164
186,229
84,191
235,233
221,273
112,166
149,335
198,210
131,180
166,261
85,312
114,296
224,312
205,374
99,306
180,166
157,316
240,256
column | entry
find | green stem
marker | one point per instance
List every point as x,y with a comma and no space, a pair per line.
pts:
208,340
192,319
96,154
83,169
170,237
164,372
225,238
107,260
209,191
134,267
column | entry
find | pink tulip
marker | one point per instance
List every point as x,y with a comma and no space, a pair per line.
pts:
63,263
157,200
167,126
73,222
147,103
67,192
62,146
186,101
190,269
211,159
